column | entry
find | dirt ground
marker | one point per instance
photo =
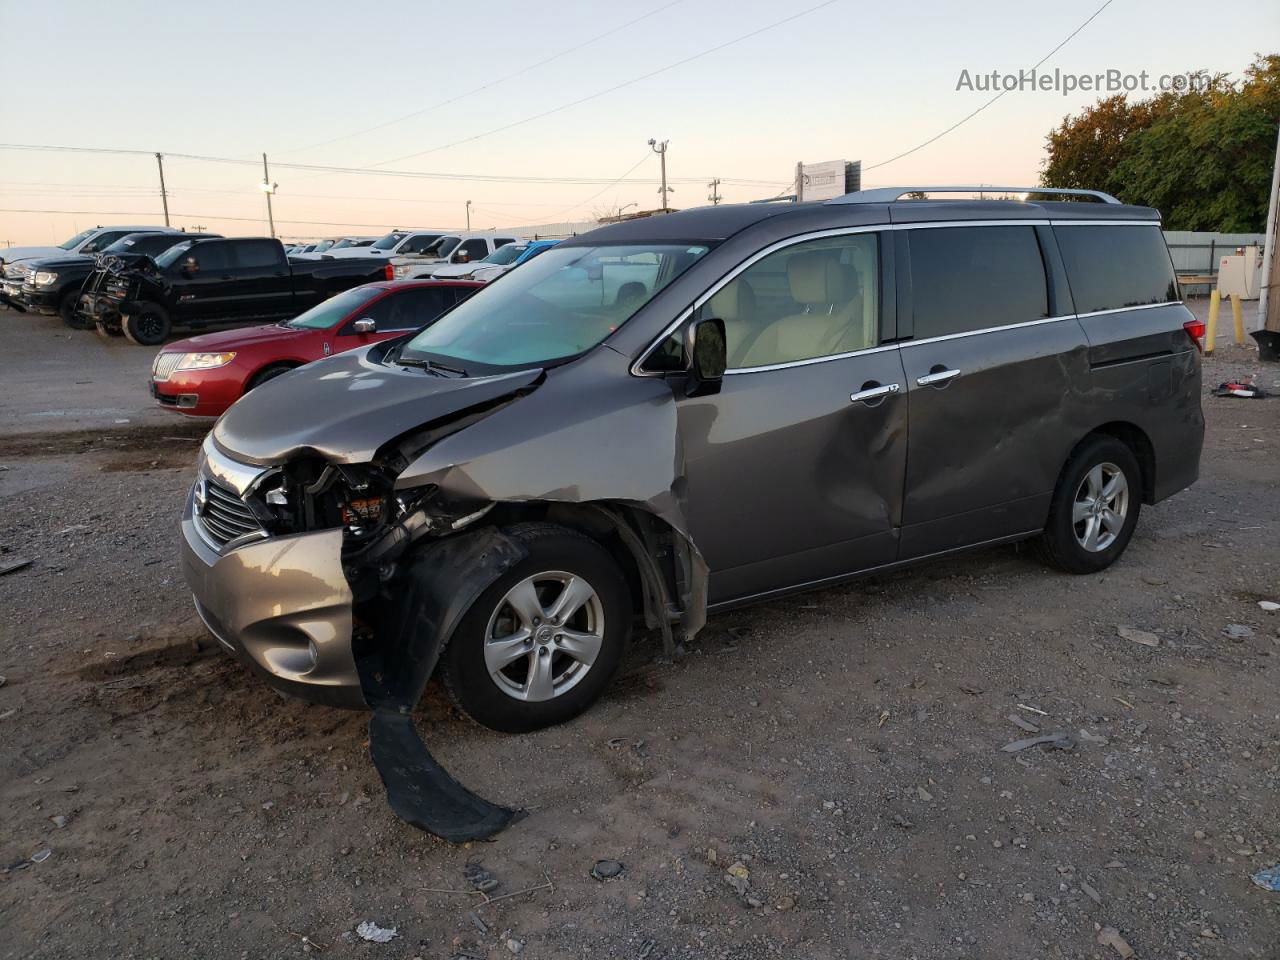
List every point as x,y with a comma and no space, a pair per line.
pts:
820,777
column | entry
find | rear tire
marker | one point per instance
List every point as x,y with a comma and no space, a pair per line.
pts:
563,663
1095,507
106,330
148,327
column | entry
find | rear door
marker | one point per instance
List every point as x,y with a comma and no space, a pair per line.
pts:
210,292
795,468
994,366
263,281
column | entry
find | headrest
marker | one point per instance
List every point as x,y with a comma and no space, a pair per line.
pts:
734,301
816,277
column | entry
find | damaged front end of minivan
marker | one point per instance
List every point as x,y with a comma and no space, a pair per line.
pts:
339,567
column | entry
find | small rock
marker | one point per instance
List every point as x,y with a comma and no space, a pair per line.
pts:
514,945
786,903
59,821
1091,893
1144,637
1110,937
925,795
1268,605
606,869
1237,631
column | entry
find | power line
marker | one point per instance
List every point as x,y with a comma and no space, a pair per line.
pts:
616,87
202,216
491,83
557,217
964,120
328,168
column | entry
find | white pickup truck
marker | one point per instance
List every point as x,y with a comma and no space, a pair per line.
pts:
449,248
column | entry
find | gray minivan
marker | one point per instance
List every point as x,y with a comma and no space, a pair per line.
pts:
687,413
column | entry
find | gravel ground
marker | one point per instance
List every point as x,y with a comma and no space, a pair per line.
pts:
819,777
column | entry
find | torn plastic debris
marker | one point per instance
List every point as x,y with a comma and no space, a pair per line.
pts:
1246,391
368,930
1268,879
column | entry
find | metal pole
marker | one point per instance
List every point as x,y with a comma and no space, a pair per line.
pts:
468,216
1269,309
799,182
715,197
662,157
164,196
266,182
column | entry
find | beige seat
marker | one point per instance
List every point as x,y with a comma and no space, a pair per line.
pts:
831,321
735,304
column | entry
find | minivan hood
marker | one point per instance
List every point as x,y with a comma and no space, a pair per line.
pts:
345,407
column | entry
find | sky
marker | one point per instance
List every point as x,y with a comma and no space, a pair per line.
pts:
556,89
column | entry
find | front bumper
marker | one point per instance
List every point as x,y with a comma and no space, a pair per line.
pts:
100,308
282,606
11,294
38,300
199,393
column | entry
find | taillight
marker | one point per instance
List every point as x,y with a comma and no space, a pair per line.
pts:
1195,330
388,272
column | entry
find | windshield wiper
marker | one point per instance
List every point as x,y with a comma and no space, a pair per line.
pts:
431,366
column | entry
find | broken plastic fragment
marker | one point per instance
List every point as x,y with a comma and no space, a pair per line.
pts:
368,930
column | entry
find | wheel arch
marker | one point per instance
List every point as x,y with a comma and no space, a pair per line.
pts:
287,364
1136,439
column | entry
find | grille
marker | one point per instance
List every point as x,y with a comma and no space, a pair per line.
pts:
164,365
224,516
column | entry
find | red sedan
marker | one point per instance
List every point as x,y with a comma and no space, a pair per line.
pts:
202,376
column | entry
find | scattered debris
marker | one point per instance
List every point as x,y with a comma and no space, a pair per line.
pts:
480,879
1237,631
478,923
514,945
1268,879
1123,702
3,680
607,869
1234,388
1110,937
1084,736
738,877
1036,710
1058,741
368,930
884,715
9,566
1091,893
898,820
59,821
1144,637
970,689
40,856
1021,724
1269,605
924,794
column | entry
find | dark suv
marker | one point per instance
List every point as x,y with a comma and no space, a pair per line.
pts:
689,413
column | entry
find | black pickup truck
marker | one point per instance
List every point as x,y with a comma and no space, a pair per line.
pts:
204,283
53,286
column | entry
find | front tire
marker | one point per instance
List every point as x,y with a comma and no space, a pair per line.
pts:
541,644
68,311
106,330
269,373
1095,507
148,327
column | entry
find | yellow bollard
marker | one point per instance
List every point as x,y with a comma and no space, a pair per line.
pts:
1211,328
1235,318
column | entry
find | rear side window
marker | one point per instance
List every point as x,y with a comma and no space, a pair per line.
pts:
1110,268
213,256
410,309
257,253
972,278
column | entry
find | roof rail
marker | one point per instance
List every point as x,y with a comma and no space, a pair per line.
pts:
890,194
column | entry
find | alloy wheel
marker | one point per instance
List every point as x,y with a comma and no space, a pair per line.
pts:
1100,507
544,635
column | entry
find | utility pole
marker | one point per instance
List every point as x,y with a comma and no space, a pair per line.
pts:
468,216
661,150
1269,296
800,182
714,187
164,196
268,188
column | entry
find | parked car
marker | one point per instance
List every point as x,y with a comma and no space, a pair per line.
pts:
13,259
671,416
450,248
506,257
398,243
203,375
203,283
52,286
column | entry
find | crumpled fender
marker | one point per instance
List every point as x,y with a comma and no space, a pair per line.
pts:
595,434
430,597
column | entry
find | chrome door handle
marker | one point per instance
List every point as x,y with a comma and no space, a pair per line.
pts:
874,393
933,379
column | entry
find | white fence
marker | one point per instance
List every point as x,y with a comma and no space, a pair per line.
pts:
1198,252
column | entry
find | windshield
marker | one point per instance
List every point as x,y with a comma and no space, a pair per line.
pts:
442,247
321,247
506,254
389,241
78,239
170,256
558,306
324,315
143,243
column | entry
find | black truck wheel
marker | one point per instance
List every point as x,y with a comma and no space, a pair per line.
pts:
68,310
107,330
148,326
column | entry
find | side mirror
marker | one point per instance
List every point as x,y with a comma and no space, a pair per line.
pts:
461,257
365,325
707,357
190,266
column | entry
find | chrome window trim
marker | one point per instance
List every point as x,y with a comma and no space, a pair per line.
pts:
777,245
979,332
812,360
1141,306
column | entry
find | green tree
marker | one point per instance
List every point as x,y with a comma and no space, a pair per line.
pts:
1202,157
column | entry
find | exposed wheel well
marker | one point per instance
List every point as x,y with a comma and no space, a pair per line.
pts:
259,375
1136,439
